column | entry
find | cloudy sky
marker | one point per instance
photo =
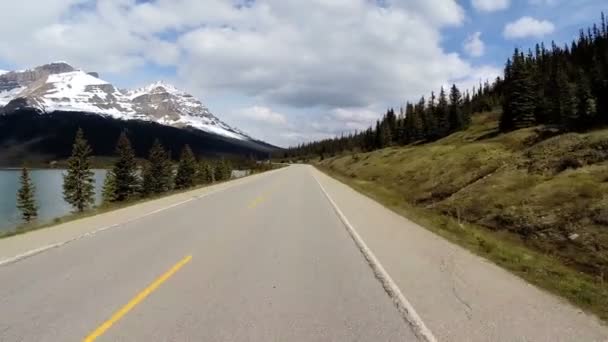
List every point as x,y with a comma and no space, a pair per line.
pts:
288,71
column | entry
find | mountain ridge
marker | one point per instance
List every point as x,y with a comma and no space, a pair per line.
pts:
58,86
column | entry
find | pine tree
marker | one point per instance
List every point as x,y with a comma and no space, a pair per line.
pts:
391,121
108,193
521,93
431,115
186,169
78,183
455,111
467,111
205,173
443,124
125,171
218,169
26,202
222,170
507,121
585,103
561,97
379,142
158,171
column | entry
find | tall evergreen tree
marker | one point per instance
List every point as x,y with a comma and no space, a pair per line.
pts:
391,121
205,173
585,103
522,93
108,192
431,115
507,121
186,169
561,96
126,182
455,111
26,201
158,172
443,124
78,182
222,170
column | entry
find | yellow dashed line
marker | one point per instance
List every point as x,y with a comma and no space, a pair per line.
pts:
136,300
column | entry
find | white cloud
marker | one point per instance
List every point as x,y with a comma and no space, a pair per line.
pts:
473,45
340,54
543,2
490,5
528,27
476,76
263,115
336,63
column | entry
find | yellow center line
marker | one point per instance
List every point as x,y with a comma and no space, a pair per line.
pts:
136,300
260,199
256,201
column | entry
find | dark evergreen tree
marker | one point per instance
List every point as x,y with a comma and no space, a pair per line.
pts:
431,117
455,117
158,171
186,169
585,103
521,93
108,192
126,181
205,173
78,182
26,200
443,124
222,170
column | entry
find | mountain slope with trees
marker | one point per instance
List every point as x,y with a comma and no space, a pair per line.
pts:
562,87
27,136
530,187
516,170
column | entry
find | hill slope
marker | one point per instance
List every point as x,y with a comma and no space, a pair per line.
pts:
548,191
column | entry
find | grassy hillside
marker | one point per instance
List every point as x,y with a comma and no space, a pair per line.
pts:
531,200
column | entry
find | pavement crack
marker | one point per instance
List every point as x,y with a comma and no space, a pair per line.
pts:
449,268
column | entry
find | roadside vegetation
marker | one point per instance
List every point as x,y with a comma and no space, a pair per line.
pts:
128,181
515,170
509,198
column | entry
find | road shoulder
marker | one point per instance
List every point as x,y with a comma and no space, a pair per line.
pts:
460,296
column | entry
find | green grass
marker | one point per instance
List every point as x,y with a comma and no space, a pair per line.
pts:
502,248
530,201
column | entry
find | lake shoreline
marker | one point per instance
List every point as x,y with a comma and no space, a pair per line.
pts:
48,184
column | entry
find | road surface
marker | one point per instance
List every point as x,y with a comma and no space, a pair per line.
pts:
266,258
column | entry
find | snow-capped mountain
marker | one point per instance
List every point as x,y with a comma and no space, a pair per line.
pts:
60,87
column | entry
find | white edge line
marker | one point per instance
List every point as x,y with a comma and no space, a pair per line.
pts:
39,250
405,308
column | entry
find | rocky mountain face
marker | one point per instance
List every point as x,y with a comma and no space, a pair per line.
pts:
61,87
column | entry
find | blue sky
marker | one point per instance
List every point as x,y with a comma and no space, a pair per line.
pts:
288,71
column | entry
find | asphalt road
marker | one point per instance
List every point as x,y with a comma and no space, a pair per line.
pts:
267,260
289,255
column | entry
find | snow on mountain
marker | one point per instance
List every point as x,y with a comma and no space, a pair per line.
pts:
8,95
78,91
58,86
171,106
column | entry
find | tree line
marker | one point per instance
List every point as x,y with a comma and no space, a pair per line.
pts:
565,87
125,181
